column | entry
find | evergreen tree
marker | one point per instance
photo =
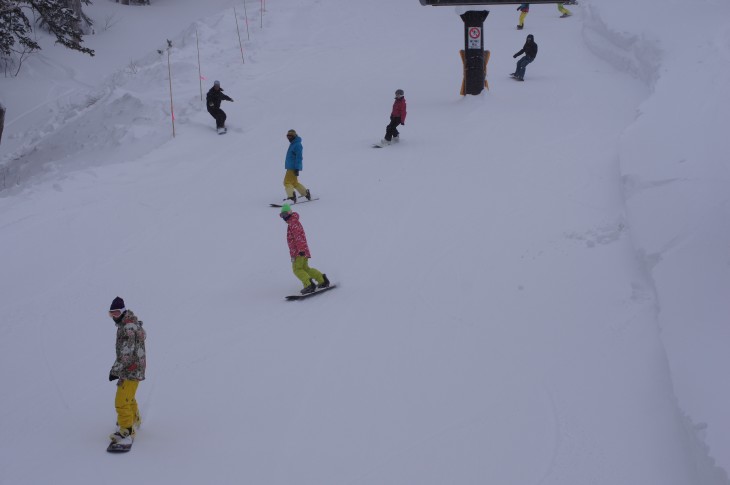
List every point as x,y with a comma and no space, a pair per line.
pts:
55,15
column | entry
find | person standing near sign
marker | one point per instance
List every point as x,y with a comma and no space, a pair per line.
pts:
530,52
524,9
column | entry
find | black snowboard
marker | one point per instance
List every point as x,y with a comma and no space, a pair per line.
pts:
315,292
118,448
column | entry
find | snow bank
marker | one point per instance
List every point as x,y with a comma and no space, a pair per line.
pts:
130,108
675,178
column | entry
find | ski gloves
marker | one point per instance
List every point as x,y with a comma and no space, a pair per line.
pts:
112,377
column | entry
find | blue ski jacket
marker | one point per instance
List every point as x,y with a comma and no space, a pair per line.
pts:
294,155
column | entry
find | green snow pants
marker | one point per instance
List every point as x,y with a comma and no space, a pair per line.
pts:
301,269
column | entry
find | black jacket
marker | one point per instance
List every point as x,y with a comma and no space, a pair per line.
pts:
529,49
214,97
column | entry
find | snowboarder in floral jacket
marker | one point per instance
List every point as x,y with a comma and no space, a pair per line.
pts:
310,277
129,367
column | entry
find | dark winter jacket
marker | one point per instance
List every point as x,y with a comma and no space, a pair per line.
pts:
295,237
529,49
294,155
525,7
214,98
399,109
131,356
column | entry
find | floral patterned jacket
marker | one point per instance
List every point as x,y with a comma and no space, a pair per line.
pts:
131,356
295,237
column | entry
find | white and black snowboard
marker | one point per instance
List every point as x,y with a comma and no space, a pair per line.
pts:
381,144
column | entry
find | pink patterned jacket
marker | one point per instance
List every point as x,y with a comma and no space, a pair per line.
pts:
295,237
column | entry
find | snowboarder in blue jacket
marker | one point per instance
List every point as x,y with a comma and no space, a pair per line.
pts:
293,165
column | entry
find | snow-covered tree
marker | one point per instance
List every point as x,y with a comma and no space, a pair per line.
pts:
2,120
62,18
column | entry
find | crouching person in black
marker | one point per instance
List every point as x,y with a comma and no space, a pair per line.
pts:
213,100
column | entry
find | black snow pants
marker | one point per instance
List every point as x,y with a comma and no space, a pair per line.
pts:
219,115
392,129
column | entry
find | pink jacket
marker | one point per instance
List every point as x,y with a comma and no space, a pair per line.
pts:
295,237
399,109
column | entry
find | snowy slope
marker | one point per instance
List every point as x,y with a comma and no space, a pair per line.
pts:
498,319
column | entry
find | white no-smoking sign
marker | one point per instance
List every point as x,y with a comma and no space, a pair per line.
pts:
475,38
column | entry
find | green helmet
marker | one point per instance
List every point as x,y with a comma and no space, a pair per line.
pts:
285,208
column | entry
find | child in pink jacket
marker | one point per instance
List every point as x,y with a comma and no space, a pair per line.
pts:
397,117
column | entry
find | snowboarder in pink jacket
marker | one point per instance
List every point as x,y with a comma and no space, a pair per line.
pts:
397,117
311,278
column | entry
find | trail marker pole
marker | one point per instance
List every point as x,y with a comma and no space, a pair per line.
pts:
200,74
169,75
245,13
240,44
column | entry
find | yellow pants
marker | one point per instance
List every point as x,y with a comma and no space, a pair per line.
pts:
125,403
291,182
522,18
563,10
301,269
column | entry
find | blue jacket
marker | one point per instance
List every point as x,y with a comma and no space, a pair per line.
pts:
294,155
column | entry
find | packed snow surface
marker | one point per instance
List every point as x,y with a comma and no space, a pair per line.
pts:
532,283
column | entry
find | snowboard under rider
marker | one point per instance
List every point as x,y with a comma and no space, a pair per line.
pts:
213,101
397,117
530,52
311,278
129,368
293,165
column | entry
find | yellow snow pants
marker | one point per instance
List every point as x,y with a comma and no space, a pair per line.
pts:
522,18
563,10
301,269
291,182
125,403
